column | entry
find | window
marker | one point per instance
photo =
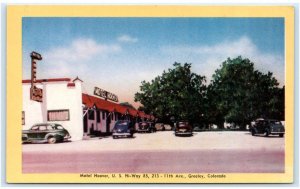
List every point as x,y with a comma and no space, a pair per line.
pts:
98,116
59,127
35,128
49,128
43,128
23,118
58,115
91,115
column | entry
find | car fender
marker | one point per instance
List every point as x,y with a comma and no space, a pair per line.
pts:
267,129
253,131
49,135
56,135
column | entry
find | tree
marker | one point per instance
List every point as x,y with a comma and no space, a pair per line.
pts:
238,94
176,93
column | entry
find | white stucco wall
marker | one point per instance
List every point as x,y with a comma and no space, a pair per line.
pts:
56,96
32,109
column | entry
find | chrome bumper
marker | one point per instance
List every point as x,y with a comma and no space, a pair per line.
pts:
183,133
121,134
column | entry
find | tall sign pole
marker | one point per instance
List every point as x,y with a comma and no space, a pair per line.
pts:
36,94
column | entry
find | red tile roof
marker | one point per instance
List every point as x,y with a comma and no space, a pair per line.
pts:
90,101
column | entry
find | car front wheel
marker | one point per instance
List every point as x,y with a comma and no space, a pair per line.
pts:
281,135
253,133
266,134
51,140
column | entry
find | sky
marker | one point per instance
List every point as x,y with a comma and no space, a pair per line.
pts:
116,54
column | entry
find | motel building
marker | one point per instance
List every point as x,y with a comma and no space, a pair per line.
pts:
82,114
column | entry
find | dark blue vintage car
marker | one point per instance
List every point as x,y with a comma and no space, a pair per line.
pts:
267,127
123,128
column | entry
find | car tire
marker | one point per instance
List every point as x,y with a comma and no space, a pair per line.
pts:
114,137
253,133
51,140
266,133
281,135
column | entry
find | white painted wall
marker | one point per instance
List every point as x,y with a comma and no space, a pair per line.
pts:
56,96
32,109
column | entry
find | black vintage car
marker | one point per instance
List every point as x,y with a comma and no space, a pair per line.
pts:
45,132
123,128
145,126
267,127
183,128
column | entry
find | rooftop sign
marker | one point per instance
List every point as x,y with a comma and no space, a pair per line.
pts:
105,94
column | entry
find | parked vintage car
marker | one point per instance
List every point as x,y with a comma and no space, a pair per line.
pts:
45,132
168,127
159,127
123,128
267,127
145,126
183,128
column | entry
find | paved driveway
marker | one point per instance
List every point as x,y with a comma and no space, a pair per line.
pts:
162,152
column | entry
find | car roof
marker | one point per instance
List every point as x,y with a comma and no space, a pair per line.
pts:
40,124
48,124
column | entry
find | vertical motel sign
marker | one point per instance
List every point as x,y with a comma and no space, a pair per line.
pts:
36,94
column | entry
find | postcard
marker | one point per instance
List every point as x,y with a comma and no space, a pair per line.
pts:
150,94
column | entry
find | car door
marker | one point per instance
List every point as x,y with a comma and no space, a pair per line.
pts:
42,132
32,133
260,127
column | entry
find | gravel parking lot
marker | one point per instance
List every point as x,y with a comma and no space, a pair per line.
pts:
160,152
166,140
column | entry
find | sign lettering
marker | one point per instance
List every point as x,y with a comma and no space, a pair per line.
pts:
36,94
105,94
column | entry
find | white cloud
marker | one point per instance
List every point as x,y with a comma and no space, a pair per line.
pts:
206,59
73,59
127,39
80,50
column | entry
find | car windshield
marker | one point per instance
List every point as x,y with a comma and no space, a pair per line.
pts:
121,125
59,127
182,124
